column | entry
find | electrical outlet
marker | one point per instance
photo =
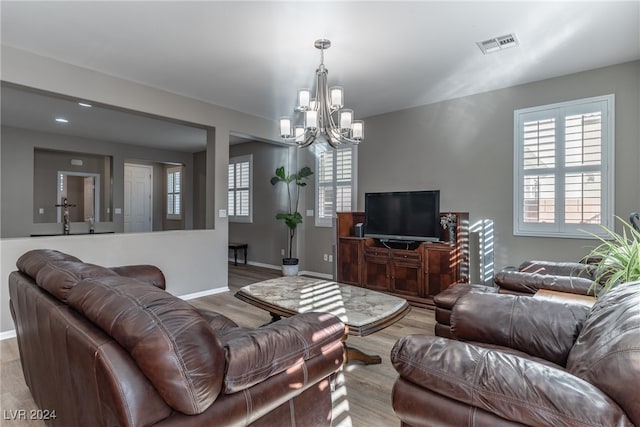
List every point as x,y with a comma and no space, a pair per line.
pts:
282,252
330,258
325,257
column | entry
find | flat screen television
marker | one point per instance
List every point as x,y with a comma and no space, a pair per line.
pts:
405,215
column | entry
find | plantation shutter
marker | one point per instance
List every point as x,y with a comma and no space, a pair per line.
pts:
564,168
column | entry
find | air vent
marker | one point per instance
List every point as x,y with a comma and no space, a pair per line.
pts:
498,43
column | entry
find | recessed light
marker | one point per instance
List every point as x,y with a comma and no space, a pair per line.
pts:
61,120
84,104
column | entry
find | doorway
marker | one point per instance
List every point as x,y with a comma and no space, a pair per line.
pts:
137,198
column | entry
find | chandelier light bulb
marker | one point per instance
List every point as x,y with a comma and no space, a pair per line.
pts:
311,119
346,117
357,130
336,98
285,127
304,96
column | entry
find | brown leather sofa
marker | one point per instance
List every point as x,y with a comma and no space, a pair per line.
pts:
524,361
572,278
110,347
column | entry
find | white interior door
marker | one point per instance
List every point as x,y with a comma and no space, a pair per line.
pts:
137,198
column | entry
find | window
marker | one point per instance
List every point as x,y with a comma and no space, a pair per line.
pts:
335,183
564,162
240,202
174,192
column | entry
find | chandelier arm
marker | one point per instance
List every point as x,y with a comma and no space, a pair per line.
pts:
308,138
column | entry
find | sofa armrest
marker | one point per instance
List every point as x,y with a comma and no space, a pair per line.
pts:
512,387
146,273
530,283
258,354
540,328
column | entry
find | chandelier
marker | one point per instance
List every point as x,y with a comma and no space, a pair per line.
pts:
325,119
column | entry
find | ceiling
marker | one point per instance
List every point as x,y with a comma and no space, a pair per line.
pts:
253,56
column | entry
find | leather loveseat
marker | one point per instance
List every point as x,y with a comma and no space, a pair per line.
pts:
570,278
525,361
110,347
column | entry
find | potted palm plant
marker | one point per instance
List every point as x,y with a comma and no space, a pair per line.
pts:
292,218
617,257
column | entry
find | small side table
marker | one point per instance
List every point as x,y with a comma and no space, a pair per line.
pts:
235,247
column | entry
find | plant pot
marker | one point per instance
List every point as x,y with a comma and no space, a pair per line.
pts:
290,266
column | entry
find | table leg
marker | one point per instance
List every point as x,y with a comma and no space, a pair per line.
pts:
352,354
245,254
235,256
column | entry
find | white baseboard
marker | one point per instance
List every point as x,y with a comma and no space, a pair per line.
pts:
279,267
204,293
315,274
7,334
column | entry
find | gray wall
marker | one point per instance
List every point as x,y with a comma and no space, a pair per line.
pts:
197,262
266,236
464,148
18,166
317,240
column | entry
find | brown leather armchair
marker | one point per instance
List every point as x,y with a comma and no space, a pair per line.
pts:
524,361
109,347
571,278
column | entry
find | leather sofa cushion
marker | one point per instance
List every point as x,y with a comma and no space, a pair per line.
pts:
58,277
574,269
531,282
145,273
173,345
253,356
607,351
31,262
511,387
515,319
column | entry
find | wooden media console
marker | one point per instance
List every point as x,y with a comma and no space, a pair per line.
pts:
415,272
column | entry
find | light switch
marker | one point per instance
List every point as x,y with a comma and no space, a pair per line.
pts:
223,213
309,212
118,211
41,211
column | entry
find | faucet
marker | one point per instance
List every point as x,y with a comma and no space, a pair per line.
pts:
66,229
91,222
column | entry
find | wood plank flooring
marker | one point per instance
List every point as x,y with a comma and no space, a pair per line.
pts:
362,397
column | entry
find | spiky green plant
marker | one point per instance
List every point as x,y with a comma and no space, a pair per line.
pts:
618,257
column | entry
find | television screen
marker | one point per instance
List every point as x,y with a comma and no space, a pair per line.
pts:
407,215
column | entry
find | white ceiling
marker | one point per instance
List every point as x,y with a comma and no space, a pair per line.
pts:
253,56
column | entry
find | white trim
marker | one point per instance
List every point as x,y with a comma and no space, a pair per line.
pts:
206,293
247,158
561,110
259,264
328,222
326,276
96,192
5,335
172,170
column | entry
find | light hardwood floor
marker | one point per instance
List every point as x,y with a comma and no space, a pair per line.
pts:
362,397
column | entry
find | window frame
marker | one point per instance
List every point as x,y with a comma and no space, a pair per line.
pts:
321,221
559,111
172,170
235,160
